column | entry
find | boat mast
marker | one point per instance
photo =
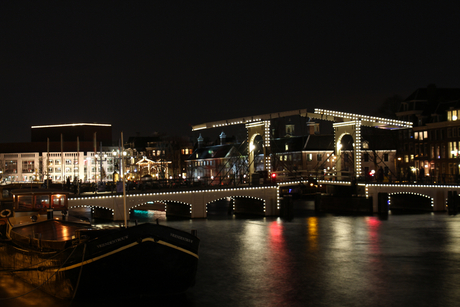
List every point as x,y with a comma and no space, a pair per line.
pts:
124,180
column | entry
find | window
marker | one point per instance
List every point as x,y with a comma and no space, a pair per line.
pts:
385,157
366,157
290,129
11,166
453,149
452,115
28,166
58,201
24,203
319,157
42,201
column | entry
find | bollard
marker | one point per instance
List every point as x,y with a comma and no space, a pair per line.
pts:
49,213
454,202
383,203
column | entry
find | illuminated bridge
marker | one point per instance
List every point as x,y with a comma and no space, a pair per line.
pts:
259,200
263,200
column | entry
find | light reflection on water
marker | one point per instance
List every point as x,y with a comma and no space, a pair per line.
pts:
327,260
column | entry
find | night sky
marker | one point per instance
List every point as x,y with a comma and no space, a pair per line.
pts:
161,66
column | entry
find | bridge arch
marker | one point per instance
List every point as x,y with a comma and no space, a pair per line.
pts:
220,206
170,207
410,201
97,212
236,204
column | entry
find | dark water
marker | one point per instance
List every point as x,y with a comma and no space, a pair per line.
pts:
405,260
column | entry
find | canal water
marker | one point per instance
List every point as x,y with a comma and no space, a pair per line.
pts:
309,260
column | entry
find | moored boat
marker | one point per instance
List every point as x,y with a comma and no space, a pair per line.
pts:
72,259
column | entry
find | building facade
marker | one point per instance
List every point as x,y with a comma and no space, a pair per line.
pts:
429,152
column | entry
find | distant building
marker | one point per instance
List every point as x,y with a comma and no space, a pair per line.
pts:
430,151
85,153
166,154
294,157
218,164
36,161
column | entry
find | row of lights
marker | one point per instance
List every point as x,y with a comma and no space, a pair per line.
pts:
410,193
268,163
180,192
236,122
409,185
352,116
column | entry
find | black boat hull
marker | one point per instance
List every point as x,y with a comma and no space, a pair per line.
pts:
143,260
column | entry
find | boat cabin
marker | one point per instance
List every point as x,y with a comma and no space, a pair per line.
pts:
39,200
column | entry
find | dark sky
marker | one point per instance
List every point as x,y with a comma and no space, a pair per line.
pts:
160,66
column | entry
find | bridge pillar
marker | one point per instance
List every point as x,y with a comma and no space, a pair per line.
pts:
352,128
198,205
254,129
439,200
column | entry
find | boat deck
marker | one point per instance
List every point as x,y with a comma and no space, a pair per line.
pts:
50,230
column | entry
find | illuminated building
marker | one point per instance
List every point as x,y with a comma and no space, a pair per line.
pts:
57,152
430,151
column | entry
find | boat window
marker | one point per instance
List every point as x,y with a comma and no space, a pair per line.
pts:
42,201
58,201
25,202
6,193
